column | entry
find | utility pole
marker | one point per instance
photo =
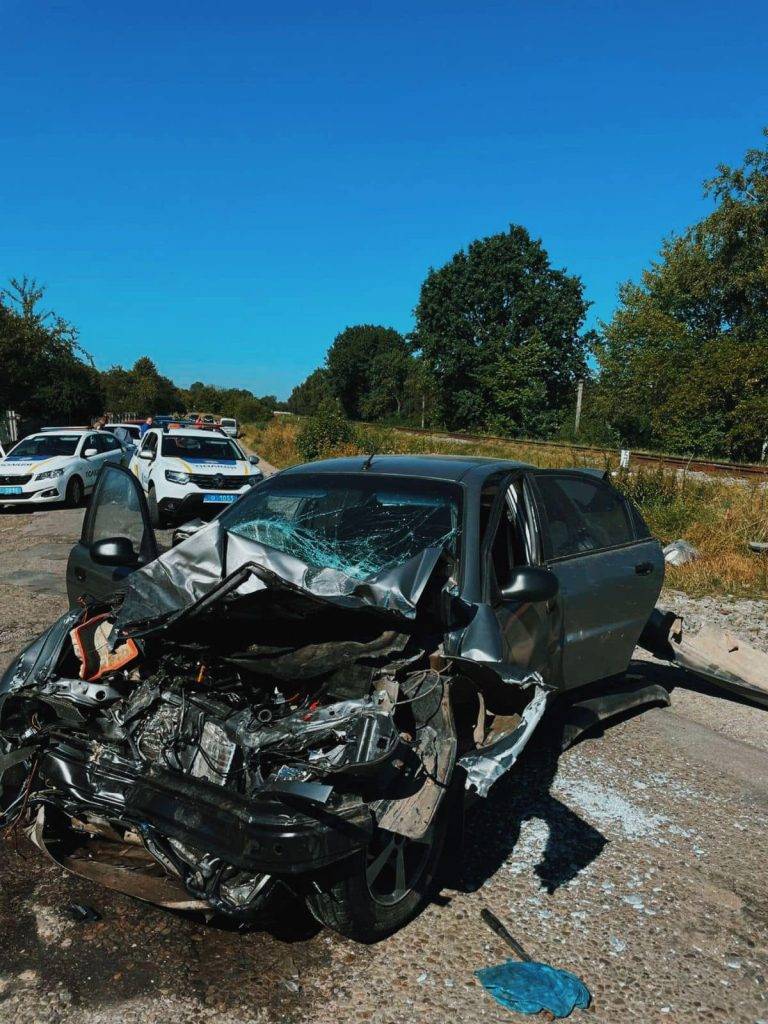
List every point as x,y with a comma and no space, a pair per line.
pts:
423,404
579,396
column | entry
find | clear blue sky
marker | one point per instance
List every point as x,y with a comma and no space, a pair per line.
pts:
225,186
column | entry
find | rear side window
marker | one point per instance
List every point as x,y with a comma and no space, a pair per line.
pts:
583,514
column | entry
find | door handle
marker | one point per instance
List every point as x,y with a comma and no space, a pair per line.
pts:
80,575
644,568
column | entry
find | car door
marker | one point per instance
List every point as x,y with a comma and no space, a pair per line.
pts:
530,631
610,570
113,450
149,444
118,509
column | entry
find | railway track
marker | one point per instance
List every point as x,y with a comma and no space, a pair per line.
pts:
741,470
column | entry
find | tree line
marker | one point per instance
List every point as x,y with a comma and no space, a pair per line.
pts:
48,377
499,346
499,342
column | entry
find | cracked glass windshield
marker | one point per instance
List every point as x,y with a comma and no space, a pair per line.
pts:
358,525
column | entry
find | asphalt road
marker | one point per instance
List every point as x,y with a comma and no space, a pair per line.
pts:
636,859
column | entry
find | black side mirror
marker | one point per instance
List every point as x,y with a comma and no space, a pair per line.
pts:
114,551
530,583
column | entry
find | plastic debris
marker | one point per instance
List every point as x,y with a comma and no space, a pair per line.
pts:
680,552
83,913
528,986
759,547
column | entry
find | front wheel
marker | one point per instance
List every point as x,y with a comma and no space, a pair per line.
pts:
75,493
156,517
389,883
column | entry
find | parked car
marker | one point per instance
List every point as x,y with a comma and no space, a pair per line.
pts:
55,465
229,425
293,692
188,472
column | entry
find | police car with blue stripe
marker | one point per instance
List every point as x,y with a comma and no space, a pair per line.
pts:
188,472
55,465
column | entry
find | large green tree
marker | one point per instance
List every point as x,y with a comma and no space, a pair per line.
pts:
500,332
357,363
142,390
684,361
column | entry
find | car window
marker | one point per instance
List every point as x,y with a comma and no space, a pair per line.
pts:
582,514
45,446
108,442
90,441
150,443
116,510
512,543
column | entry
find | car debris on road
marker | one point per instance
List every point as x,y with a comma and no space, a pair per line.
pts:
298,692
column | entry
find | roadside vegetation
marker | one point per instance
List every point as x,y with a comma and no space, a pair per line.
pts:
717,517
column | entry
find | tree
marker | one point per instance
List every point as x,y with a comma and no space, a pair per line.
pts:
684,361
356,361
307,397
141,390
45,374
499,331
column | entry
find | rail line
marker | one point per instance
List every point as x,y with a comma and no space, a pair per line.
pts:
744,470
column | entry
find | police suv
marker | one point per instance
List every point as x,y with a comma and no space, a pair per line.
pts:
187,472
55,465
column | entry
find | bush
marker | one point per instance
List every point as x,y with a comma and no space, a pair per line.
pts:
325,434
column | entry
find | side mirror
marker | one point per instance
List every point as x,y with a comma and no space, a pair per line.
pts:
254,460
114,551
530,583
146,454
89,453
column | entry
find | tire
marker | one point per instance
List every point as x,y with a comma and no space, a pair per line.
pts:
75,493
361,906
156,517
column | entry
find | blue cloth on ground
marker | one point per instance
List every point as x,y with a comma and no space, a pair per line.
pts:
529,987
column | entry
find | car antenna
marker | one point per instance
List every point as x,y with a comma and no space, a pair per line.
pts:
369,460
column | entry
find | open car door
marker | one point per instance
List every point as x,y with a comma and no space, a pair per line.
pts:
116,539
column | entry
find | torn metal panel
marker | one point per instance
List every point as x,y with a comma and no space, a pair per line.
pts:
486,766
713,654
123,866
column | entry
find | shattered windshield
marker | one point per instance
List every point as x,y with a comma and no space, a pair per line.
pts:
359,525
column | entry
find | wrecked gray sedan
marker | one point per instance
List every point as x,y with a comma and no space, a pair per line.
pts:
297,692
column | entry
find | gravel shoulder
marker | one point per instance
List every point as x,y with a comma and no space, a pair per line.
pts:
636,859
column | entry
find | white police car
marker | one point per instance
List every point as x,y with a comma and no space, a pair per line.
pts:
55,465
187,472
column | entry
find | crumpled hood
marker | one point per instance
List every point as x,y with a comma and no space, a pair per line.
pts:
215,563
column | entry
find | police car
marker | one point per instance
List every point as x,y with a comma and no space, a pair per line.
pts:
55,465
187,472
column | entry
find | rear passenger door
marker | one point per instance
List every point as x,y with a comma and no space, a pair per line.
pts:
609,568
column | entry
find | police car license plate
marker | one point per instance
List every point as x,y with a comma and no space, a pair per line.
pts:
10,490
217,499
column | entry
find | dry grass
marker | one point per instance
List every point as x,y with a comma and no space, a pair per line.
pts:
718,518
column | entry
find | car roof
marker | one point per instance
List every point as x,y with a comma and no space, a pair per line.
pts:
58,432
436,467
189,432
